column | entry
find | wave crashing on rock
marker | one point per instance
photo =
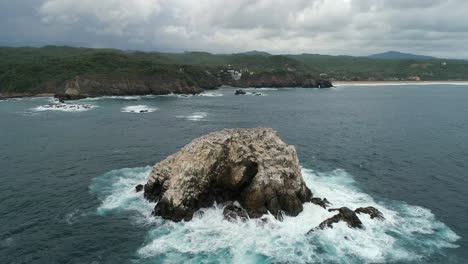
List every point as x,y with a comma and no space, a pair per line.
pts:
138,109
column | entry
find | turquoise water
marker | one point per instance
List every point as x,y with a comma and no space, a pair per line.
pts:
68,176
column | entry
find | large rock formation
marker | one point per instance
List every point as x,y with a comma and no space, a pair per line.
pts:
251,166
279,80
102,85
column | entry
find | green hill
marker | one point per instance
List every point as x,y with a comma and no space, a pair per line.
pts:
395,55
30,69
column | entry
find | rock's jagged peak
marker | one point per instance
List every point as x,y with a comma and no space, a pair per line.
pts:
252,166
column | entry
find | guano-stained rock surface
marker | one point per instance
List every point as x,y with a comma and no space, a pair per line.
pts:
251,166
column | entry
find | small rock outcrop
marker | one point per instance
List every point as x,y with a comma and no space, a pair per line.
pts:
324,203
240,92
139,188
251,166
233,213
349,217
372,211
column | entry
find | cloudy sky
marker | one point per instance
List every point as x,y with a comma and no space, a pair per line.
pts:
351,27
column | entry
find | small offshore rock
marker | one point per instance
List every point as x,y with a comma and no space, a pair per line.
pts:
139,188
324,203
233,213
350,217
240,92
372,211
344,214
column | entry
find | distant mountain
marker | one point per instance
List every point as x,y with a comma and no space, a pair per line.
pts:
395,55
255,52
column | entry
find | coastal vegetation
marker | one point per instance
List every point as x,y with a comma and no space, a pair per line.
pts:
34,70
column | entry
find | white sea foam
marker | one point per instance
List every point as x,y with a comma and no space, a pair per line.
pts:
207,94
73,216
177,95
198,116
256,94
64,107
135,97
408,233
261,89
116,189
130,98
137,109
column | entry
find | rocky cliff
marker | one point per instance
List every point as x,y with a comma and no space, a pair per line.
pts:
279,80
186,82
251,166
102,85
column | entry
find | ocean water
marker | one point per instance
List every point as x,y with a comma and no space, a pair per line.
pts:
68,174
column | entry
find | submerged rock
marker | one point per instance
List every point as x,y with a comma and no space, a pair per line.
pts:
252,166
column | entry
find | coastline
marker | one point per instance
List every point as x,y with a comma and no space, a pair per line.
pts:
375,83
6,96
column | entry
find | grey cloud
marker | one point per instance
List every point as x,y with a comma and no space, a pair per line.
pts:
355,27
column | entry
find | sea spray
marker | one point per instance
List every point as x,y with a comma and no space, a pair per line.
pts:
138,109
62,107
409,233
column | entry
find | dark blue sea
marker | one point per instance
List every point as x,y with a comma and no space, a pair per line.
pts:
67,176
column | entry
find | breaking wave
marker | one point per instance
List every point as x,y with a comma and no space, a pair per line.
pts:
207,94
261,89
195,116
116,97
138,109
409,233
134,97
64,107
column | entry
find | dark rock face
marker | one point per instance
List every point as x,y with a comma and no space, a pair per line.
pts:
350,217
139,188
251,166
105,85
344,214
234,213
324,203
66,97
102,85
324,84
372,211
240,92
279,80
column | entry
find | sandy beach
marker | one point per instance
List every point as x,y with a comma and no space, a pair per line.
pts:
375,83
